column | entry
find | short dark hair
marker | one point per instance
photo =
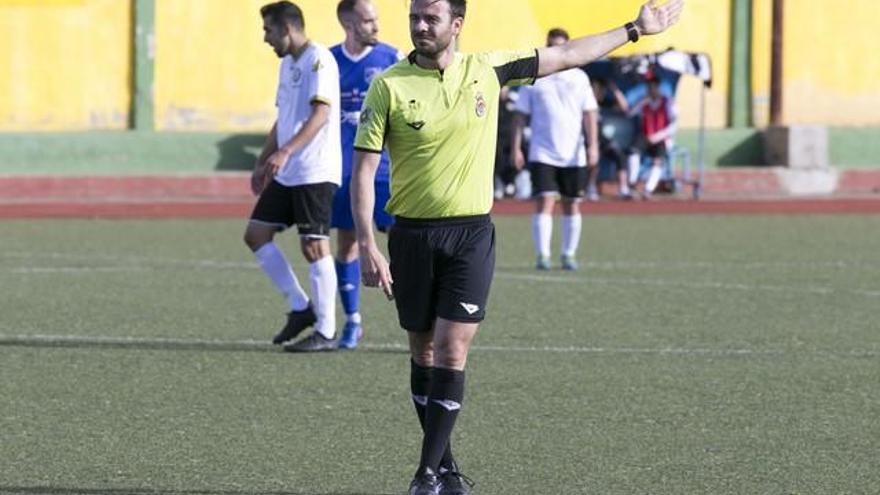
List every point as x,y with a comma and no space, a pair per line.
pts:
457,7
345,7
284,12
558,33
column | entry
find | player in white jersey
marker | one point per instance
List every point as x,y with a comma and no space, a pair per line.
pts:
297,175
563,111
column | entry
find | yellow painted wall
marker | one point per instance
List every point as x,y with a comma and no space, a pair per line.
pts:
213,70
64,64
216,73
831,70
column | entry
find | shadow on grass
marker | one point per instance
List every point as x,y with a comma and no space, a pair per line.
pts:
66,490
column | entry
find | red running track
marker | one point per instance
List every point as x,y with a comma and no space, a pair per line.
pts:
241,209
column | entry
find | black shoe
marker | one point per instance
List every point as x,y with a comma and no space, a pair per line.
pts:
452,482
297,321
313,343
425,482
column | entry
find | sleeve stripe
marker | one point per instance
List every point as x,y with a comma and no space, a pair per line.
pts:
524,69
367,150
320,99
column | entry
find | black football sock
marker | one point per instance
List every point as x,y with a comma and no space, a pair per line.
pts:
444,402
420,386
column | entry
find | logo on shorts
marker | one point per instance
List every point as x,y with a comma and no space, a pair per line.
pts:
470,308
480,107
449,405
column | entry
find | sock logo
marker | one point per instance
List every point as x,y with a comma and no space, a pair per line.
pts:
470,308
347,288
421,400
449,405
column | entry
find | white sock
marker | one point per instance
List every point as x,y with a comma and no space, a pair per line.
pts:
634,163
571,234
653,179
276,267
624,188
542,232
322,275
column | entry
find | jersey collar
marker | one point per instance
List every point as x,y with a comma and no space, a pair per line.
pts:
356,58
456,59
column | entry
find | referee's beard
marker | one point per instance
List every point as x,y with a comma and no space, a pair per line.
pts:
432,53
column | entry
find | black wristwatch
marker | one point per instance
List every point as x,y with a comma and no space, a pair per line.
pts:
632,32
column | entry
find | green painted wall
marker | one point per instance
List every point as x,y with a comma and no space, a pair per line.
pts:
120,152
144,57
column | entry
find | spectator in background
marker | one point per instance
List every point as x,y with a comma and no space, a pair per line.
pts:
504,169
563,113
612,102
361,57
659,122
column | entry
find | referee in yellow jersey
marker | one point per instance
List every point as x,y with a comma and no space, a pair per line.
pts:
437,114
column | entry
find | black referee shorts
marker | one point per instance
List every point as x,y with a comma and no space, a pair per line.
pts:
441,268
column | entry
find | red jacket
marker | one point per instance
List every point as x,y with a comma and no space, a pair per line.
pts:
655,116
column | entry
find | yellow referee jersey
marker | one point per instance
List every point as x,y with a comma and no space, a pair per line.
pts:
440,130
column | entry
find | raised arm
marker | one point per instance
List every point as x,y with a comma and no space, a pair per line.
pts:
652,19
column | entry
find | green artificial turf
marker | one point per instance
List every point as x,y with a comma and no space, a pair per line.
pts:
689,355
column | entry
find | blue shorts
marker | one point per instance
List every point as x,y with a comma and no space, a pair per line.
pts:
342,217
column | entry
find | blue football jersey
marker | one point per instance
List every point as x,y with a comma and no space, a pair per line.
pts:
355,76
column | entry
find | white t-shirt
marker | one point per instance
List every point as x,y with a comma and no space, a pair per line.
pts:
314,76
556,104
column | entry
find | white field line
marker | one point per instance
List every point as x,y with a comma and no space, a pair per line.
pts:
209,344
599,265
140,263
682,285
77,269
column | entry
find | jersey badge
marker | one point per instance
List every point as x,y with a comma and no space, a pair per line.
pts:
295,75
412,114
480,105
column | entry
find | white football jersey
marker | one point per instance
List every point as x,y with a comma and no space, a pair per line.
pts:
314,76
556,104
